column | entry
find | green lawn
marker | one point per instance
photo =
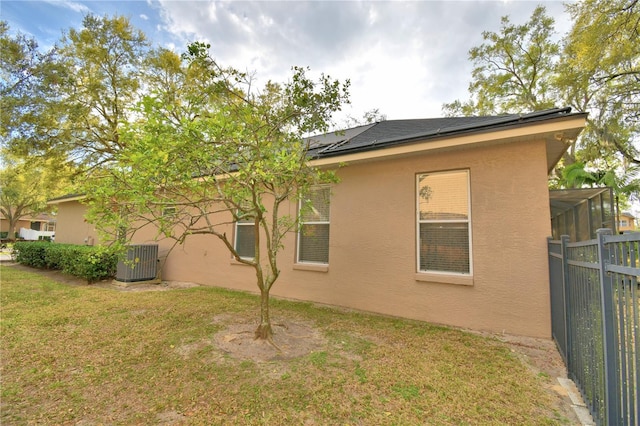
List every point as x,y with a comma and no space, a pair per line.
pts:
84,354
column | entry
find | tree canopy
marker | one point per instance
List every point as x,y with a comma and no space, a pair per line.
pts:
106,57
70,101
25,187
179,143
213,151
30,171
599,72
595,68
30,80
513,69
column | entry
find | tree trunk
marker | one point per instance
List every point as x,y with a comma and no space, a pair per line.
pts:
12,229
264,330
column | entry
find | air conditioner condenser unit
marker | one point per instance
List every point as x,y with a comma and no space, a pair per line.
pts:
140,263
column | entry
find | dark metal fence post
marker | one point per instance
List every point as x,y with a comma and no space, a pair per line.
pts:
610,343
564,240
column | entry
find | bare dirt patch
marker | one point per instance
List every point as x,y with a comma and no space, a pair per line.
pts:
542,357
291,339
170,418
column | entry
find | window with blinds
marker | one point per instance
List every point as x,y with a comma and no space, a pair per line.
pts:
444,225
245,238
313,238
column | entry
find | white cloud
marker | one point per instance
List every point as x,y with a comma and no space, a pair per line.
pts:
144,17
212,12
405,58
75,6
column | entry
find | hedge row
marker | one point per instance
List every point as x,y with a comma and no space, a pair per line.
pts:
88,262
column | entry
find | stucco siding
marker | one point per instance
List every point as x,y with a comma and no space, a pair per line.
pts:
372,258
4,225
23,223
71,226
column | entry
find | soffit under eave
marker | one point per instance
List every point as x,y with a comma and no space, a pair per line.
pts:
29,219
557,144
66,200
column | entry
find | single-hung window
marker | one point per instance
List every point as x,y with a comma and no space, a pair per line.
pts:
444,222
313,238
245,238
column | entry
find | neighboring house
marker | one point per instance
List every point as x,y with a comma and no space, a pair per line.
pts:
627,222
41,222
425,223
72,227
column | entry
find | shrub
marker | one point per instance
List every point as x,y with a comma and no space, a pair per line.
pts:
57,256
91,263
88,262
31,253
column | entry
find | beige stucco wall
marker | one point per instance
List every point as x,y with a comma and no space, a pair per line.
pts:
71,226
22,223
4,225
372,264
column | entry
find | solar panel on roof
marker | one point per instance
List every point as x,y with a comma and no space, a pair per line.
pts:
394,132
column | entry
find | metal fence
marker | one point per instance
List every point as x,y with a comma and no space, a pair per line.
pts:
595,321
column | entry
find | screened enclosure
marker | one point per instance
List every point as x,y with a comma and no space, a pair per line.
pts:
579,213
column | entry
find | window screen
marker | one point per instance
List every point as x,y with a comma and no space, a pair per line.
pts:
313,239
245,238
583,232
443,222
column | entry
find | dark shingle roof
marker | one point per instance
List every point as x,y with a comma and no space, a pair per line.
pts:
394,132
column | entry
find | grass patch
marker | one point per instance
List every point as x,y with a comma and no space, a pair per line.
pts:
97,356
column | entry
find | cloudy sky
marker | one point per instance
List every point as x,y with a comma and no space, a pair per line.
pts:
404,58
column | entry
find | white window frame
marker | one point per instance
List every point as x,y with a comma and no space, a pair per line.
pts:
301,223
235,237
420,221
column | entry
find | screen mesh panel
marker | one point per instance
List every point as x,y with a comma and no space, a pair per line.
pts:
245,240
314,243
318,210
596,214
444,247
583,231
